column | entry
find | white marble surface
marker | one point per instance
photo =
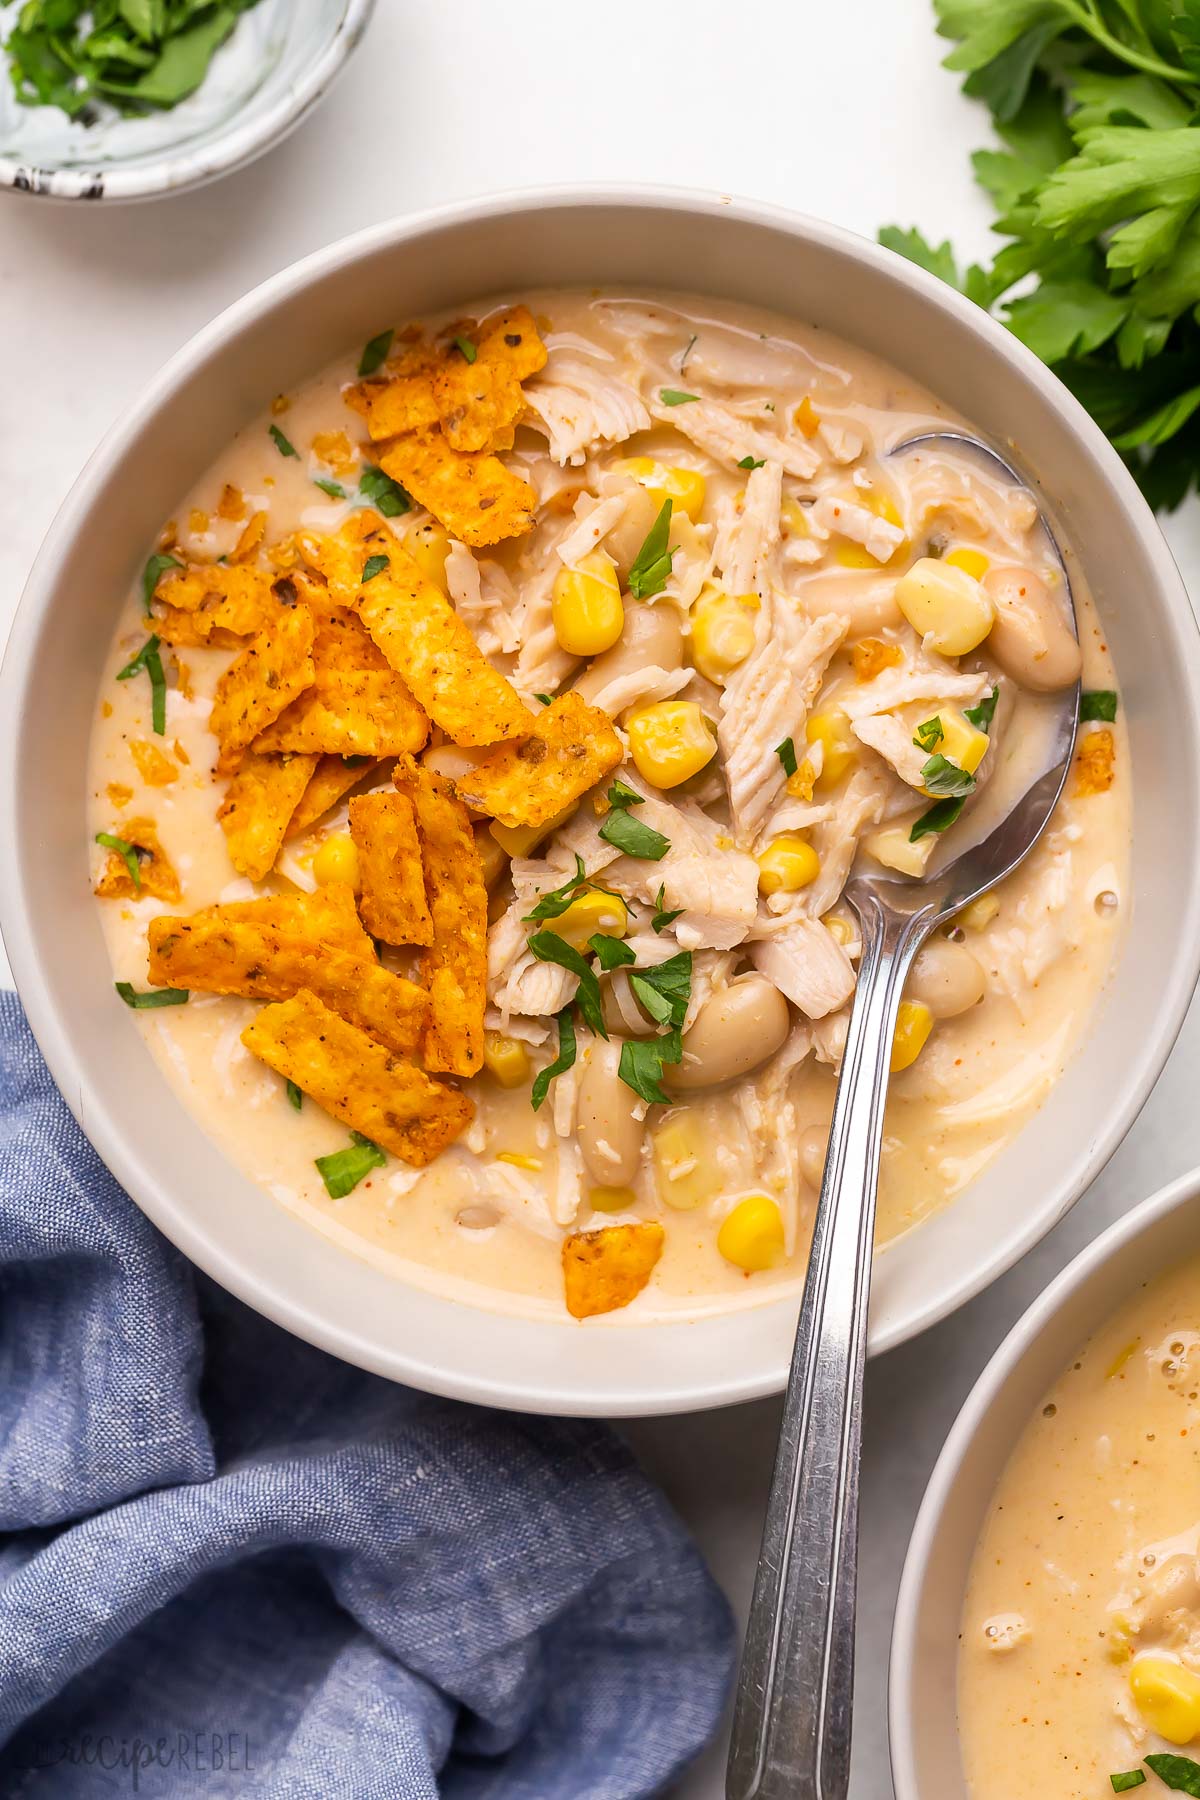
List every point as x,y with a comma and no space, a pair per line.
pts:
839,111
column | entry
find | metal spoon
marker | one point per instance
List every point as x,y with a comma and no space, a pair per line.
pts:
792,1720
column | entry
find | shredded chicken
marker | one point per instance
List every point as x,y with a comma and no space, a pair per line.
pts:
731,435
483,596
746,537
581,406
806,962
879,537
714,888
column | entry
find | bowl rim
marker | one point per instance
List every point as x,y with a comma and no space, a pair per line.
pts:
1019,1342
192,165
729,1384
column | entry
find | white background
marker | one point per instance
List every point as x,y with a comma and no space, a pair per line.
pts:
838,110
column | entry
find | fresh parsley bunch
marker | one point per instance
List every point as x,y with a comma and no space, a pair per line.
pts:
1097,189
138,55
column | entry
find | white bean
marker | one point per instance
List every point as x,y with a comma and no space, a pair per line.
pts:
735,1031
629,534
651,636
1030,638
610,1137
622,1014
947,978
814,1142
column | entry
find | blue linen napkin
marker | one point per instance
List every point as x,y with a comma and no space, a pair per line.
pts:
232,1565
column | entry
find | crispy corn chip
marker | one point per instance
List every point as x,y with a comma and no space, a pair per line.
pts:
238,950
271,672
871,656
332,777
1095,762
384,830
252,536
157,877
359,1081
154,766
258,807
335,450
454,967
370,713
475,497
215,603
232,504
571,747
604,1270
478,402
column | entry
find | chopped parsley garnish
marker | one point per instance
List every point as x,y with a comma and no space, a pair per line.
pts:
1122,1783
688,348
148,658
126,851
334,489
284,445
981,716
929,734
664,992
662,918
1100,703
156,997
547,946
627,834
611,952
557,900
751,462
295,1097
562,1062
676,397
946,779
375,353
386,495
939,818
786,752
1179,1773
641,1065
466,348
374,565
665,989
652,565
543,699
153,573
344,1169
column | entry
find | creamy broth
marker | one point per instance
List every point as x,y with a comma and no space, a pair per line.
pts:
489,1228
1085,1577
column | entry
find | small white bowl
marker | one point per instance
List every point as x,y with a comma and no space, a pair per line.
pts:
279,60
923,1683
271,341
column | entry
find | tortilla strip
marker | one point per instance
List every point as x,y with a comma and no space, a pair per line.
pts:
217,953
571,747
384,830
366,713
479,402
475,497
332,777
273,669
454,967
213,603
325,919
604,1270
157,876
258,807
388,1100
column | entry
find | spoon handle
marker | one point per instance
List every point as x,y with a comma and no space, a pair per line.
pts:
791,1726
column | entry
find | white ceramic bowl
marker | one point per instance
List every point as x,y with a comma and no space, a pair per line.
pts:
279,60
269,342
923,1723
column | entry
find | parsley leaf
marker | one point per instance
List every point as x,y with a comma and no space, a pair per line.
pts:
1099,703
641,1065
665,989
284,445
375,353
676,397
627,834
374,565
557,900
544,699
1131,1778
295,1097
786,752
149,1001
981,716
611,952
938,818
344,1169
663,918
126,851
547,946
562,1062
929,734
1179,1773
751,462
153,573
466,348
334,489
385,495
946,779
652,565
149,659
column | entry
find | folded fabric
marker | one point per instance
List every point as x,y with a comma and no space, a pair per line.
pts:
232,1565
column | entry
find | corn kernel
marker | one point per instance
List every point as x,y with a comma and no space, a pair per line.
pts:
891,847
612,1199
807,417
670,742
840,930
838,744
979,915
945,605
519,1160
751,1236
686,1172
586,606
788,862
685,488
1168,1697
523,840
960,742
506,1058
800,785
722,633
429,546
591,915
337,860
1120,1630
492,860
794,518
973,562
914,1022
